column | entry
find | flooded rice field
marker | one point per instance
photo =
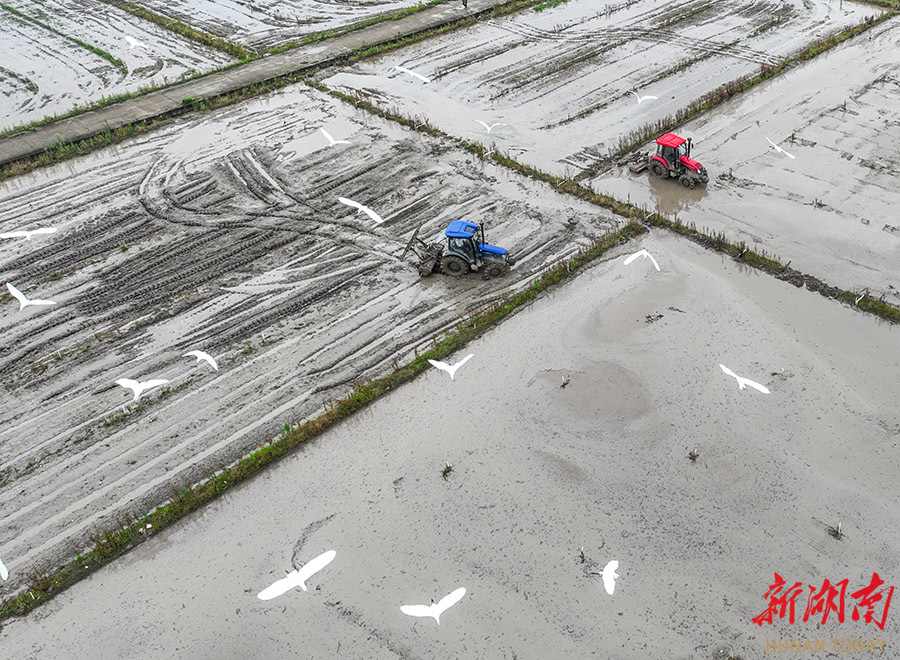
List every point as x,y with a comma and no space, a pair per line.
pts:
540,473
830,205
594,425
225,234
563,99
265,24
45,72
561,80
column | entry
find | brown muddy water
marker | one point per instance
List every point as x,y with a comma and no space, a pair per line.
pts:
832,209
44,73
540,471
225,234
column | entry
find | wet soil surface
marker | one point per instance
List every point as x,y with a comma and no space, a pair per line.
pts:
44,73
541,471
831,210
561,80
264,24
225,234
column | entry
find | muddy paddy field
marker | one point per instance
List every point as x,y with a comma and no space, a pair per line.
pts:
831,209
539,472
561,80
45,72
226,235
562,97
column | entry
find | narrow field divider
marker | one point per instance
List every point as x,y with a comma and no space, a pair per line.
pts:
133,529
716,97
119,64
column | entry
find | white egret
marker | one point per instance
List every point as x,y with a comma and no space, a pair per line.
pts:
297,578
435,609
744,382
200,355
443,366
642,253
27,234
412,73
609,576
641,99
491,127
779,149
24,301
139,387
359,207
331,140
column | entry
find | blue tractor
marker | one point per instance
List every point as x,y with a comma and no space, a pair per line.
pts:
464,253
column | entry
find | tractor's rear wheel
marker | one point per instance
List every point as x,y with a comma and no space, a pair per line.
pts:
657,169
496,269
454,266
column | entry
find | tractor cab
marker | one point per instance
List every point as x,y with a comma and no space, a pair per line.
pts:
466,252
673,159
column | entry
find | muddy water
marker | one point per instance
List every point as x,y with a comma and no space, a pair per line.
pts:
561,79
832,209
540,471
43,73
224,234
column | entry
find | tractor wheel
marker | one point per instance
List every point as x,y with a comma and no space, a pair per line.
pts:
454,266
657,168
496,269
686,181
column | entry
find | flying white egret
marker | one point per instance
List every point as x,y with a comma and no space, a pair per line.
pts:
779,149
297,578
134,42
435,609
491,127
23,301
4,573
28,234
200,355
609,576
331,140
412,73
642,253
139,387
359,207
641,99
443,366
743,382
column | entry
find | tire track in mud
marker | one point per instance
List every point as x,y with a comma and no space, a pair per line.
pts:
614,37
253,260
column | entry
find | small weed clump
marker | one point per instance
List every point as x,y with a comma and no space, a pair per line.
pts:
183,29
97,51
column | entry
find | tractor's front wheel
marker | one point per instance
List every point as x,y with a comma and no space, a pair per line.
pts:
496,269
657,169
454,266
687,181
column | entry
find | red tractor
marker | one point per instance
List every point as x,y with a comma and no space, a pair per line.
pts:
673,159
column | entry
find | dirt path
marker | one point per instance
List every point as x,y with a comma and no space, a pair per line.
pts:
169,100
225,235
540,471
